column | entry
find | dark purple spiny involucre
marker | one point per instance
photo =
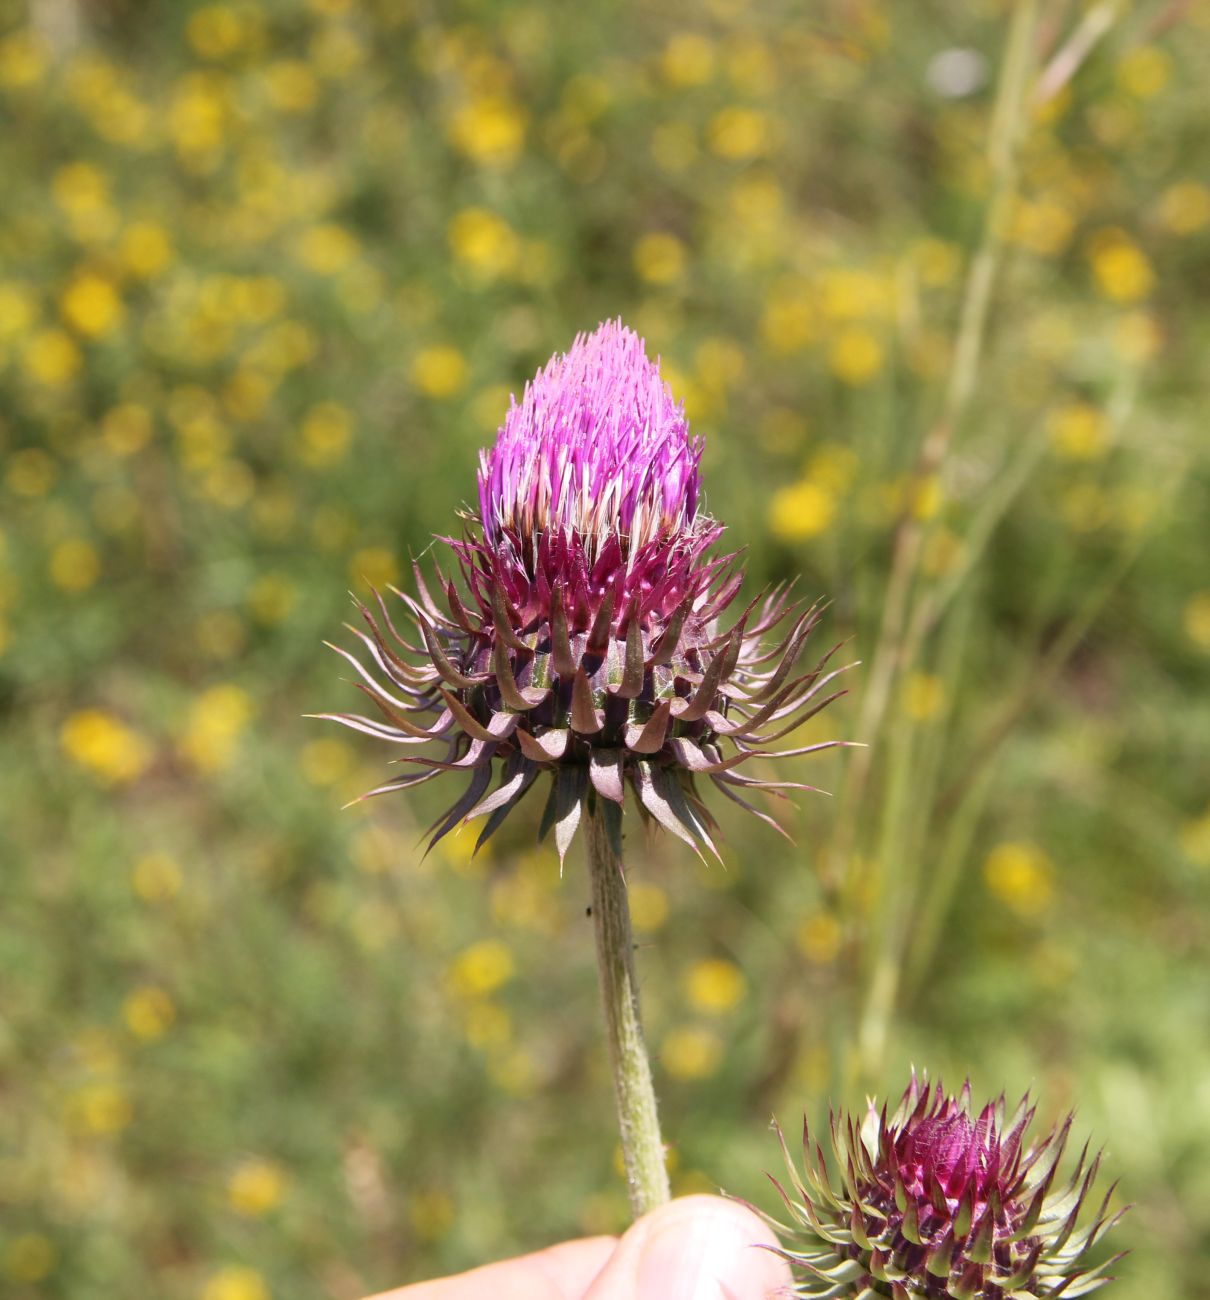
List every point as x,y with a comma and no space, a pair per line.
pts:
578,631
937,1202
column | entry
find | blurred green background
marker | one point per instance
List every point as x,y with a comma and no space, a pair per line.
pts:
268,273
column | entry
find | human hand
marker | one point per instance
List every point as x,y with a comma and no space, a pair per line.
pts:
696,1248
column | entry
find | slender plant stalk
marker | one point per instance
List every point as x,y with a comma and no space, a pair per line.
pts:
642,1148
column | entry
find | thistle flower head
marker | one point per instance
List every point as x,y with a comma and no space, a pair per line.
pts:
579,629
937,1201
596,449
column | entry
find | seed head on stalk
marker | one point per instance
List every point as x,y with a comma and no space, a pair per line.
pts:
936,1201
578,630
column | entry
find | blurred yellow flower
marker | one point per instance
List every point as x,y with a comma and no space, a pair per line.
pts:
325,248
17,310
126,428
1185,207
1078,431
291,86
51,358
74,565
374,566
218,30
714,986
327,430
648,905
1194,836
855,356
255,1187
739,134
1196,619
145,249
29,1257
489,130
235,1283
788,320
24,56
336,51
439,371
659,258
1144,71
484,242
851,293
90,305
481,969
1044,226
688,60
215,725
99,1108
801,511
819,938
692,1052
1020,876
156,878
105,746
1120,268
923,696
148,1012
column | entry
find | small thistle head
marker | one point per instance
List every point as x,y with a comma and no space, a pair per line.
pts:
936,1201
597,449
579,632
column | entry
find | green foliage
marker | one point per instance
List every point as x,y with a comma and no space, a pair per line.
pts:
267,276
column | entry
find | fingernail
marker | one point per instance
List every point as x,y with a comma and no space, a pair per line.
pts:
708,1255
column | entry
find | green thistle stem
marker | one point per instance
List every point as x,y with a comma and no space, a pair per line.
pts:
642,1148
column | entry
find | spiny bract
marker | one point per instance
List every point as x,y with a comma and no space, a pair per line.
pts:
581,635
936,1202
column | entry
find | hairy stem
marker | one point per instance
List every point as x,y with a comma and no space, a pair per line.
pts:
642,1148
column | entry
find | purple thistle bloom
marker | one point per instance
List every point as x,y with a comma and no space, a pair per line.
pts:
938,1202
581,634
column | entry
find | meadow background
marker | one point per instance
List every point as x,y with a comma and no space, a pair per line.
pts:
932,280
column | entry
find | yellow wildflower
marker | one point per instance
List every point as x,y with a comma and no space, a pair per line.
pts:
648,905
74,565
51,358
484,242
215,724
714,986
692,1052
855,356
1196,619
1185,207
923,696
801,511
145,249
659,258
90,305
481,969
236,1283
740,134
105,746
156,878
148,1012
439,372
688,60
1120,268
490,130
1078,431
1144,71
255,1187
1021,876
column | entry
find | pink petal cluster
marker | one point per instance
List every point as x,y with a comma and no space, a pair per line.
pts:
597,449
